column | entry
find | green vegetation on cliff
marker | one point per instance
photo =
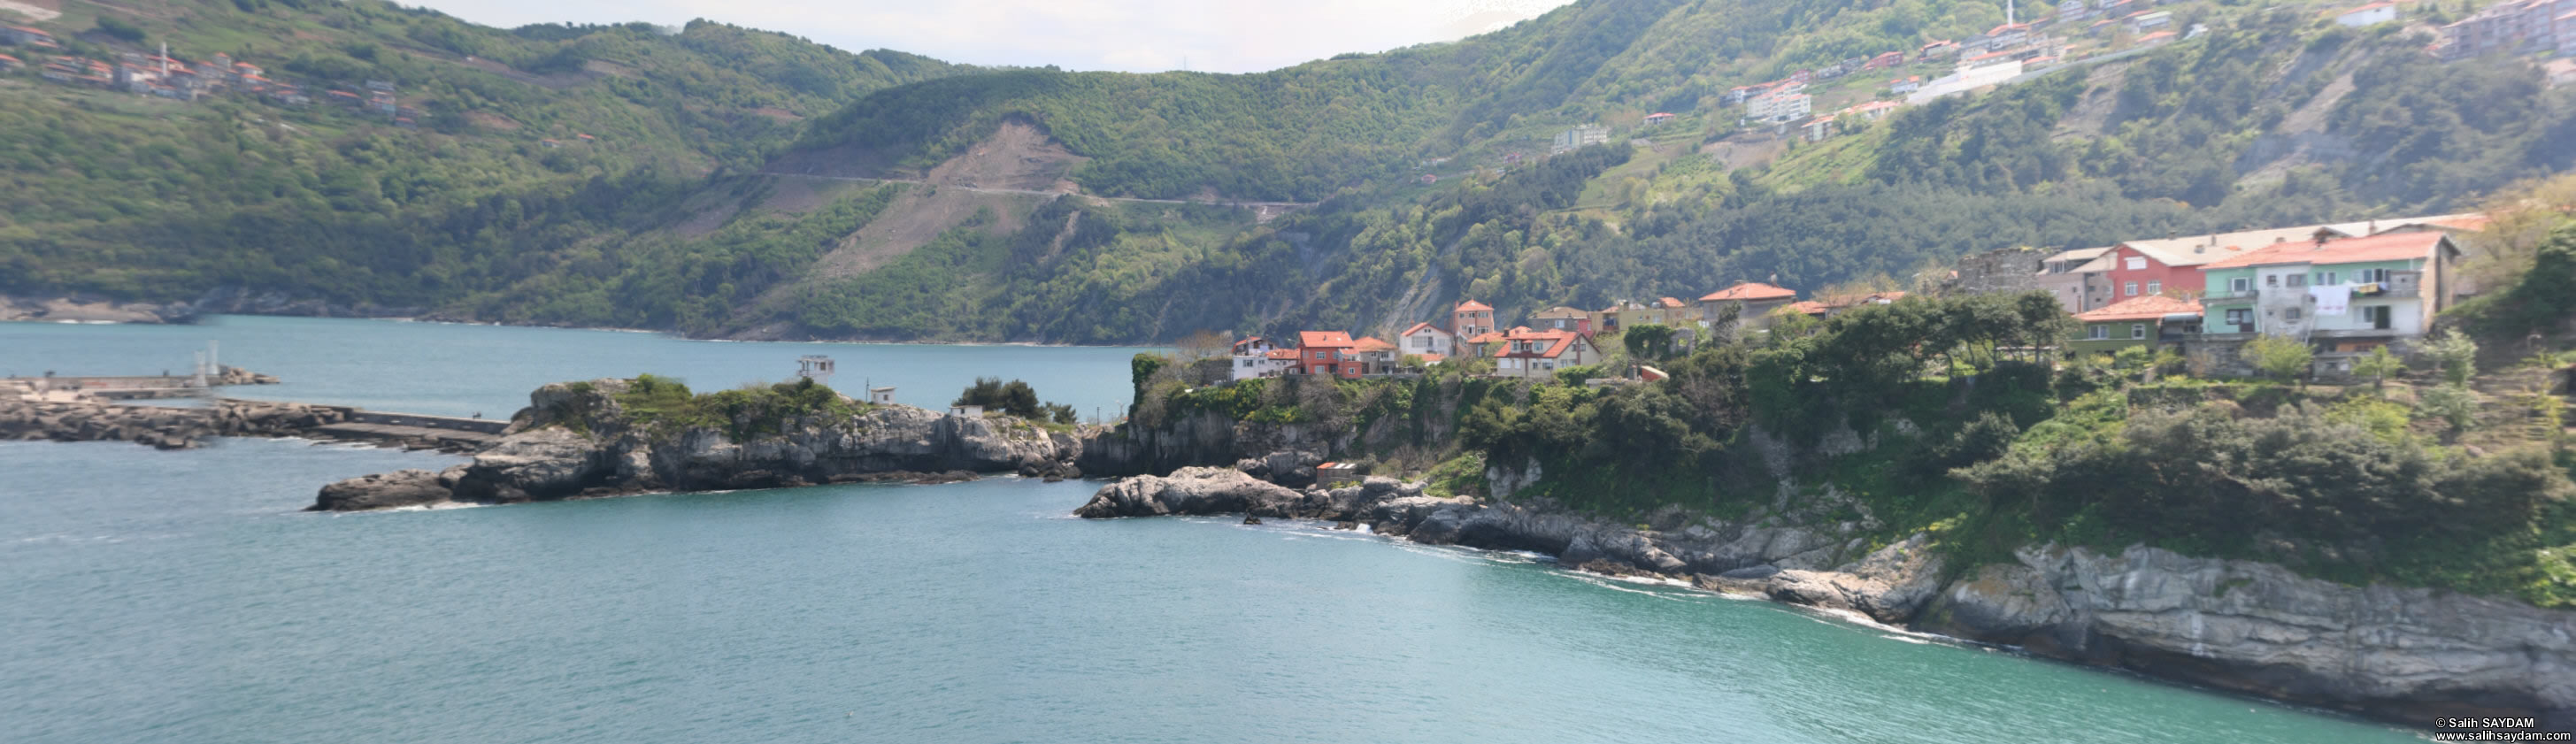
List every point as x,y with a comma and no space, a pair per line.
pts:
1955,416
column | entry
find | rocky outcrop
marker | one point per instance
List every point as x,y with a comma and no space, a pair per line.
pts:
389,490
160,426
2261,629
576,441
92,309
1200,439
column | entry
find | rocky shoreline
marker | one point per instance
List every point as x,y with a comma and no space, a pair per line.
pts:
161,427
2402,655
576,441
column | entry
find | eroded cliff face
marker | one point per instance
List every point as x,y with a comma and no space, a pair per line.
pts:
577,441
2398,653
1198,439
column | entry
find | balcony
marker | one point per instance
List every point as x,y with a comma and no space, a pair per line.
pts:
2229,295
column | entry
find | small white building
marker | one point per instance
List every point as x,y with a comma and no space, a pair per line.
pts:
2368,15
815,367
1258,357
1427,340
966,410
883,396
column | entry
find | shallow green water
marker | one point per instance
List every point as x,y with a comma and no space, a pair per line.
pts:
178,597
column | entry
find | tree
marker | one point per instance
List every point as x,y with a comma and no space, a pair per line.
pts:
1203,344
2453,404
1650,341
1015,398
2455,354
2279,357
2378,366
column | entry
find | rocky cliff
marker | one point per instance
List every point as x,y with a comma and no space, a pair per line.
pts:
578,441
2397,654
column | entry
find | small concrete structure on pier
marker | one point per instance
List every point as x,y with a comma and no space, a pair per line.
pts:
883,396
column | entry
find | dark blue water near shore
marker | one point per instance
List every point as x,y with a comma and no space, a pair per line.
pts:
178,597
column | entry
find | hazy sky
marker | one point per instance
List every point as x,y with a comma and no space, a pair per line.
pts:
1133,35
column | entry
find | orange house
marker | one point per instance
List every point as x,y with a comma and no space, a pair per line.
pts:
1326,353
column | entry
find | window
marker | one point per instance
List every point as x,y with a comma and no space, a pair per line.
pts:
2328,278
2097,333
2240,317
2155,287
2137,331
2241,284
2129,288
2136,263
2272,281
2296,280
2370,276
2377,316
2291,314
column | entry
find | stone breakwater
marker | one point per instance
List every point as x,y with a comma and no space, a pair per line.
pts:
578,442
161,427
2397,654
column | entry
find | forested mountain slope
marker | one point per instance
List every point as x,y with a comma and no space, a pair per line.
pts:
1428,165
518,139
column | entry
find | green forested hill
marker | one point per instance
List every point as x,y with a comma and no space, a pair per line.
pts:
682,216
126,194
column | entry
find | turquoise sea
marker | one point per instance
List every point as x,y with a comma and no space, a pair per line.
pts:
180,597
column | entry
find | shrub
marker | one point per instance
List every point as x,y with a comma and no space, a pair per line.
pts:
2279,357
2455,354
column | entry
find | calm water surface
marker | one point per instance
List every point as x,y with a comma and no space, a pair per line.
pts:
178,597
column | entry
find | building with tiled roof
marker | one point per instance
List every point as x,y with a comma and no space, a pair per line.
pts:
1749,301
2347,294
1326,353
1425,339
2137,321
1471,319
1539,354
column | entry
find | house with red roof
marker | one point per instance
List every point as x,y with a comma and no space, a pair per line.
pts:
1751,301
2347,294
26,35
1374,356
1658,118
10,64
1471,319
2137,321
1532,354
1327,353
1427,340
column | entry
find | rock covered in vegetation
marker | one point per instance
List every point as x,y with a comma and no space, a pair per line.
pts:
579,440
2259,628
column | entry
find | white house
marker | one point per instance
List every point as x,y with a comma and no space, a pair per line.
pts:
2372,14
1541,353
1427,341
1779,107
1257,357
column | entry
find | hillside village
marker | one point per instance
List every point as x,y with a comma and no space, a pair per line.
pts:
177,78
1817,104
2341,289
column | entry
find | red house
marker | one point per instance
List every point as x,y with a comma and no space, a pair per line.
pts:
1326,353
2171,266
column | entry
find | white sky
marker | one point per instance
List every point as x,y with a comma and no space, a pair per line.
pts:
1130,35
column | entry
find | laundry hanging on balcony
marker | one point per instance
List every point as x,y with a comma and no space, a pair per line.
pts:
2331,300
